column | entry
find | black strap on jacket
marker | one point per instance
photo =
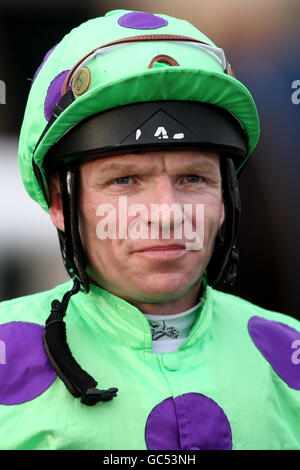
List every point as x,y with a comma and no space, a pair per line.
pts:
78,382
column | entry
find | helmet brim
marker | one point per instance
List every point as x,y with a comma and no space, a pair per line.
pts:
170,83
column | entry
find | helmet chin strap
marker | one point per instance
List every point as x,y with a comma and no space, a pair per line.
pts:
70,242
222,269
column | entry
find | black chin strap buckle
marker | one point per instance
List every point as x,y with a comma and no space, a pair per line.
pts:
93,396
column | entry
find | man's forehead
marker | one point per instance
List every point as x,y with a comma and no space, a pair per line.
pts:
155,159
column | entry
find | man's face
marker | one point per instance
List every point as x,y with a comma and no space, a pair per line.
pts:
134,268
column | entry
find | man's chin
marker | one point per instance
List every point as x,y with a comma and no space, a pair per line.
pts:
149,288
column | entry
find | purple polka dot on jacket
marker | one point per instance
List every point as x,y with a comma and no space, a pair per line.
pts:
142,20
54,93
189,422
25,372
280,346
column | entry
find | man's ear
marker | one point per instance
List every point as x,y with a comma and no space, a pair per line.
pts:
56,211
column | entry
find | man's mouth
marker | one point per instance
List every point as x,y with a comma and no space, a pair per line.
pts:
162,251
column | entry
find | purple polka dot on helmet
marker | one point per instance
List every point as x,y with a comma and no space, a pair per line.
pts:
189,422
25,372
142,20
44,60
54,93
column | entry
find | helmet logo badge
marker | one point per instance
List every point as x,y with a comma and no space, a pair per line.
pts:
178,136
161,133
81,81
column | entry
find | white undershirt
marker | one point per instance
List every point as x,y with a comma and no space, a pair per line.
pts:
170,331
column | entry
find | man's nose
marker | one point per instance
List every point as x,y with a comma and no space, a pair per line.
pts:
162,191
163,205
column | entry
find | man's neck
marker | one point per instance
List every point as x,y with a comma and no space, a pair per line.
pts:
185,301
188,300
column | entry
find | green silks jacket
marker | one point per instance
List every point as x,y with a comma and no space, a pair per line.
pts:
233,384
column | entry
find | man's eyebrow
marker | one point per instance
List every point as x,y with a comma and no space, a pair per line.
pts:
133,167
199,165
128,166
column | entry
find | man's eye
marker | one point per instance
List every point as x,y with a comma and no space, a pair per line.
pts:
122,180
193,178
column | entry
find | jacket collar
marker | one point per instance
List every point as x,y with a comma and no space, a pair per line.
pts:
123,323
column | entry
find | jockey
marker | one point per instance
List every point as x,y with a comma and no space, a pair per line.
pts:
139,349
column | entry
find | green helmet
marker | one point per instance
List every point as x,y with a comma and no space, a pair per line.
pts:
123,58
